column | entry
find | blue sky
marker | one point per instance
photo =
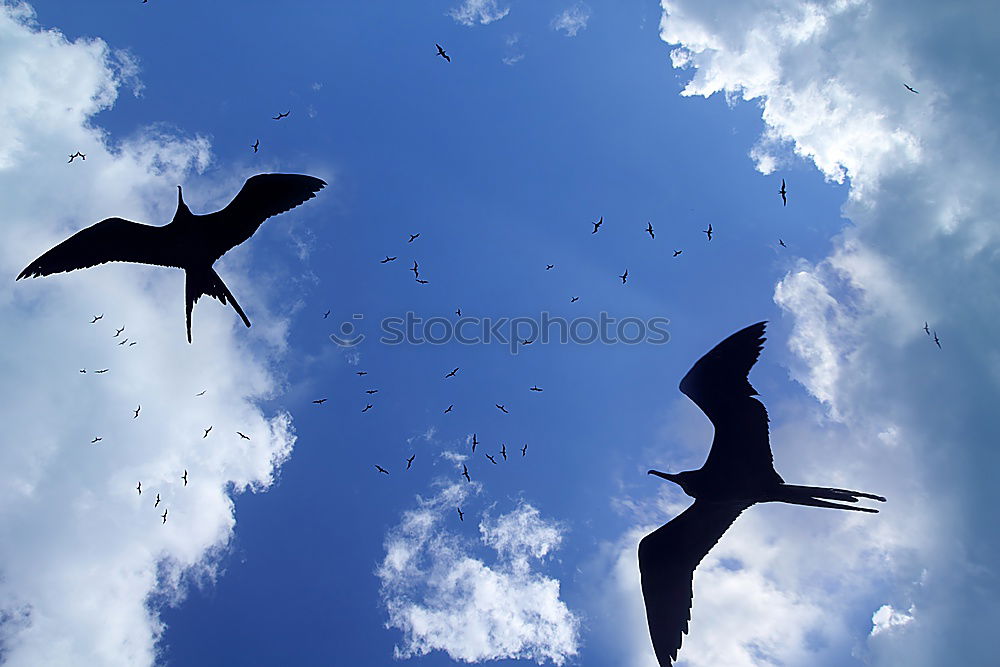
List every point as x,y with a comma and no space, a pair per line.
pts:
293,549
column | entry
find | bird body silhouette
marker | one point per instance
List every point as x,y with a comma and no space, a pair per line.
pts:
737,474
190,242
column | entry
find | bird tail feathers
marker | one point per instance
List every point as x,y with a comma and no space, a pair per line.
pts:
199,282
810,495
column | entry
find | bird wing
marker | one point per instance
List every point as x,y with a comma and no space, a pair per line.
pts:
261,197
718,384
667,560
110,240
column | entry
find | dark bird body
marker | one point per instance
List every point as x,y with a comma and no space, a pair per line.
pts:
185,477
502,409
76,155
461,514
574,299
368,406
677,252
708,232
492,460
927,329
910,89
189,242
157,503
164,516
649,230
256,145
524,450
281,115
381,469
936,340
782,243
245,437
465,473
737,474
624,277
387,260
449,408
409,461
783,192
474,443
597,225
441,52
452,374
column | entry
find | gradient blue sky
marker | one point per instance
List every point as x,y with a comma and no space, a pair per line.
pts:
502,167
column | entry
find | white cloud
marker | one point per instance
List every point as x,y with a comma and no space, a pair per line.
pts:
923,242
887,619
84,559
572,19
514,53
445,598
471,12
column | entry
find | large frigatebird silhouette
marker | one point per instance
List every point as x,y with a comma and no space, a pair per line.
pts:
190,242
738,473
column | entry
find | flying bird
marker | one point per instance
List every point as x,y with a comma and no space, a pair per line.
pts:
422,281
320,401
926,330
502,409
442,53
415,269
474,443
185,477
133,343
136,412
458,311
910,89
465,473
103,370
624,277
256,145
574,299
597,224
139,488
326,314
461,514
164,516
535,388
201,393
83,370
782,243
245,437
118,332
452,374
281,115
371,391
409,461
361,372
157,503
368,407
527,341
449,408
381,469
677,252
503,451
649,230
96,440
936,341
524,450
387,260
737,474
190,242
207,430
492,460
783,192
708,231
96,317
413,237
549,267
123,342
76,155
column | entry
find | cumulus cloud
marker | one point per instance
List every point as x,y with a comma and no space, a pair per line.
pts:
572,19
443,597
484,12
911,421
85,560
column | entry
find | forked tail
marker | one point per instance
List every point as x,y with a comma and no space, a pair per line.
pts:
200,281
810,495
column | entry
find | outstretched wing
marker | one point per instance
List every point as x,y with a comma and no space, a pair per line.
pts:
718,384
110,240
261,197
667,559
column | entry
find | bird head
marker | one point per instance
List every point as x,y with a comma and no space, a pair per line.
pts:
679,478
182,209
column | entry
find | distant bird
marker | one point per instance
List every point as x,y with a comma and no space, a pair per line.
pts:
503,451
256,145
326,314
783,192
139,488
132,343
83,370
190,242
185,477
442,53
123,342
387,260
549,267
465,473
474,443
737,474
910,89
409,461
103,370
164,515
415,269
361,372
936,341
96,317
381,469
708,231
452,374
624,277
502,409
96,440
461,514
371,391
574,299
492,460
136,412
207,430
458,311
157,503
245,437
524,450
320,401
677,252
527,341
201,393
536,388
413,237
649,230
422,281
449,408
926,330
118,332
281,115
76,155
368,407
782,243
597,224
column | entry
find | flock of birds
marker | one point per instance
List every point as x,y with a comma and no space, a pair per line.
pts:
737,474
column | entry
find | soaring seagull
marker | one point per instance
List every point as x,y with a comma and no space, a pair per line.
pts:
738,473
190,242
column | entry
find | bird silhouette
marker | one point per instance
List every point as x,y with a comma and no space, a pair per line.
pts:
256,145
649,230
474,443
422,281
157,503
782,243
535,388
207,431
245,437
76,155
448,409
361,372
624,277
164,516
96,440
708,231
368,406
442,53
136,415
527,341
326,314
185,477
371,391
492,460
409,461
103,370
452,374
123,342
502,409
139,488
737,474
190,242
574,299
413,237
320,401
381,469
387,260
458,311
503,451
783,192
936,341
524,450
910,89
83,370
201,393
461,514
549,267
415,269
926,329
677,252
465,473
96,317
133,343
281,115
597,224
118,332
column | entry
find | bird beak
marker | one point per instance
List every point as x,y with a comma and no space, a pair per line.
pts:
664,475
